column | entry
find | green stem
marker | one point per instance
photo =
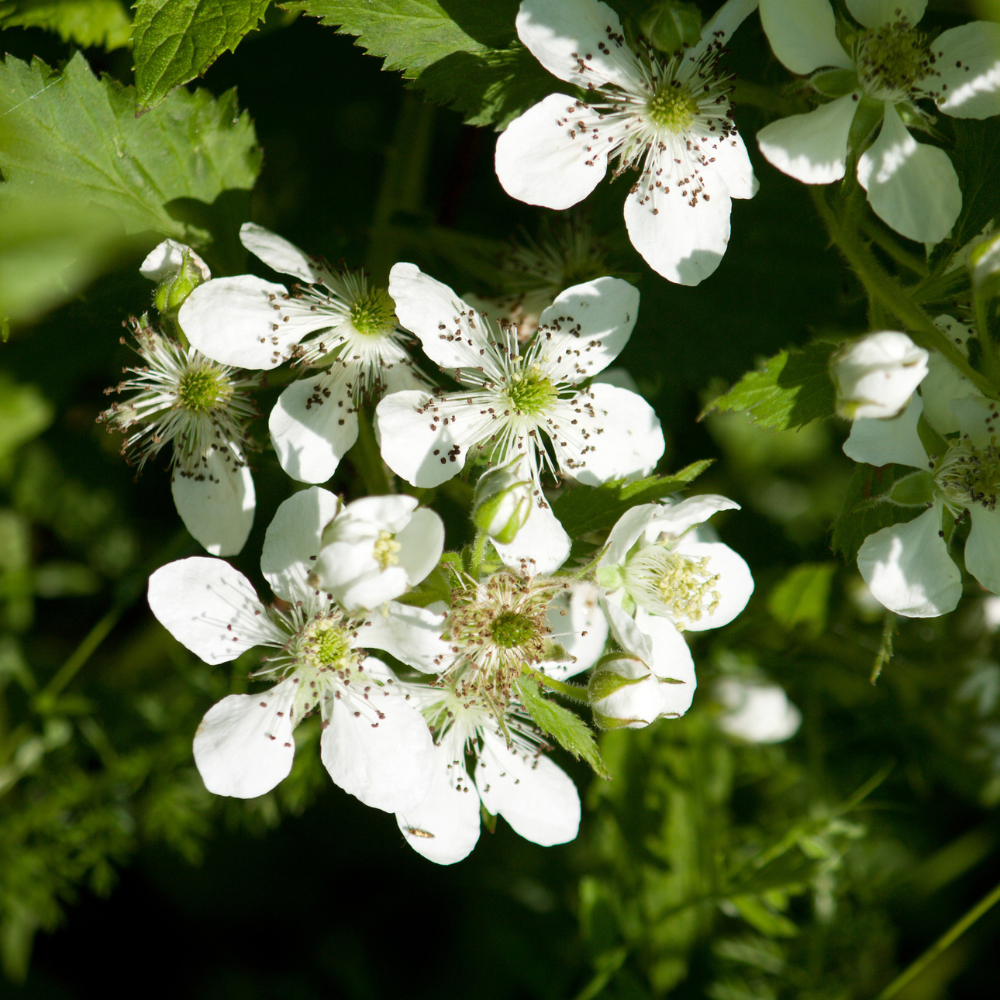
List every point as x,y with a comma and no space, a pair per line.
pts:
942,943
569,690
478,554
881,287
884,654
79,657
876,233
367,459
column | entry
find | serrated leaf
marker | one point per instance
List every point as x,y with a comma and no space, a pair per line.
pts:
464,53
72,137
567,728
596,508
177,40
85,22
802,596
862,514
791,389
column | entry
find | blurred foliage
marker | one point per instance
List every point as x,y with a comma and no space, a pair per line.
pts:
706,867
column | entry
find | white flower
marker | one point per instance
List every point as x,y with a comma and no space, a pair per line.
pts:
377,548
669,116
520,403
876,375
757,713
496,628
907,566
911,186
375,745
335,324
201,408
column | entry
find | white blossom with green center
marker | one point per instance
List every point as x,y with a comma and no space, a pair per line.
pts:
908,566
660,578
668,117
179,397
881,68
332,323
520,402
487,748
374,744
377,548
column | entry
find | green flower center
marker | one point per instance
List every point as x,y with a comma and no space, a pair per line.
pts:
202,389
970,476
374,314
890,60
672,108
512,630
531,393
325,645
386,550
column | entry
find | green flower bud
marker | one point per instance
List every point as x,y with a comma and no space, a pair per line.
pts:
624,693
177,271
502,502
672,25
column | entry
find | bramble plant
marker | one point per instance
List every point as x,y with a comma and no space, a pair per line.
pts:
608,530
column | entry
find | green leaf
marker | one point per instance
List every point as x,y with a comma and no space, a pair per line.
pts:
24,414
464,53
49,252
567,728
802,596
72,137
863,513
85,22
758,914
177,40
791,389
596,508
976,157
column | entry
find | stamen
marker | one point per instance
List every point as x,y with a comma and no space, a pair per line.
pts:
665,582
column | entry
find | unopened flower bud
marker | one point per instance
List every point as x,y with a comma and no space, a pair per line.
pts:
177,271
624,693
875,376
502,502
672,25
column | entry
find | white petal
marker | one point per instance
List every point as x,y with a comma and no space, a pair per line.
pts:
387,763
982,550
366,584
450,330
721,25
541,546
734,587
911,186
216,501
415,444
874,13
803,34
279,254
812,147
444,826
535,796
908,569
684,242
422,541
167,258
971,90
586,327
757,713
370,515
313,425
676,518
880,442
579,626
210,608
293,540
943,382
579,41
232,320
975,416
626,633
627,531
671,662
617,435
546,158
412,635
244,745
731,162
